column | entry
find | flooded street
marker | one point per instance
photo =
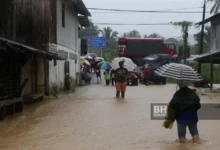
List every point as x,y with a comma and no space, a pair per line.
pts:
92,119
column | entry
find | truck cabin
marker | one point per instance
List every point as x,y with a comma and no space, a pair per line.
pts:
170,48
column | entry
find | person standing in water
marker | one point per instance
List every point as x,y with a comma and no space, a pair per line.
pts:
98,74
183,108
113,77
121,80
107,76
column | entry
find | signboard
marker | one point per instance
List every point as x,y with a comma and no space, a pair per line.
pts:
96,42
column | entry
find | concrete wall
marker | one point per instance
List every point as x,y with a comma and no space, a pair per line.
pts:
215,39
67,36
68,45
56,72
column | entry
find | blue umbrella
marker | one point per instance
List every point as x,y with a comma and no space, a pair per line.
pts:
106,65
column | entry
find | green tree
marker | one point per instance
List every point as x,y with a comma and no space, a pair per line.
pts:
216,7
124,35
154,35
92,30
134,34
111,37
206,39
184,28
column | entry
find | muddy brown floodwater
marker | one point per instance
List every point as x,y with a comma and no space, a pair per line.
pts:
92,119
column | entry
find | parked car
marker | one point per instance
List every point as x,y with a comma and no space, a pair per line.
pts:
154,78
155,61
159,59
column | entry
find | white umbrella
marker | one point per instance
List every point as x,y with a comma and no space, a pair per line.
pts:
178,72
99,58
128,63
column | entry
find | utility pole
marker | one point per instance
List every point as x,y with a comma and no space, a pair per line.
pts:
202,35
101,51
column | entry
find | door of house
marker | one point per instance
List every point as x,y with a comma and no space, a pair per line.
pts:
34,76
67,75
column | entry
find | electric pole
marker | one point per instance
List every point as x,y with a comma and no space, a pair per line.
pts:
202,35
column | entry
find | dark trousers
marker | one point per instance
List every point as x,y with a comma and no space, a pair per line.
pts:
113,81
107,82
146,80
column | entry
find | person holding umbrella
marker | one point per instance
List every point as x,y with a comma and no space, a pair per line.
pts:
183,108
185,103
121,80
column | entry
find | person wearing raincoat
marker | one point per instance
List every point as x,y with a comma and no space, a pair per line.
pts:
183,108
107,76
121,75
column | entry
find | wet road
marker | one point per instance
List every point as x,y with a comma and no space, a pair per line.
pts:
92,119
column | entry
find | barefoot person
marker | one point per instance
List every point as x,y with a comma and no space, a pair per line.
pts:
121,80
183,108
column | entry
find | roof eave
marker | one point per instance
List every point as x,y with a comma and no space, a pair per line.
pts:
84,21
81,8
209,19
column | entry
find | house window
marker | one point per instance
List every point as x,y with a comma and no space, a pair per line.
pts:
63,15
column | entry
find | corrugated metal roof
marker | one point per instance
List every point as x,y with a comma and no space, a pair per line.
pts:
209,19
205,56
23,47
27,49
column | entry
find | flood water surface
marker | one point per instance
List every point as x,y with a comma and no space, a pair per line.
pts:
92,119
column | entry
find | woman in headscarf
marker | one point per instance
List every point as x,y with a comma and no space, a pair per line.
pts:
121,80
183,108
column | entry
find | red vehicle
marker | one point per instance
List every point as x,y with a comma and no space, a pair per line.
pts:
137,48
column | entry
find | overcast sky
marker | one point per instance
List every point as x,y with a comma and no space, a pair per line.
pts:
131,18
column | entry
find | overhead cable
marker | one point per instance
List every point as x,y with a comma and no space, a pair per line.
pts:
144,11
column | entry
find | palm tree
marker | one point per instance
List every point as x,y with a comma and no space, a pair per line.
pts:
154,35
216,7
110,35
134,34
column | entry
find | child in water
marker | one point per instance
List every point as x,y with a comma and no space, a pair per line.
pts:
107,76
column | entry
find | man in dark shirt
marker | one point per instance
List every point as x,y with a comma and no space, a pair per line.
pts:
121,80
98,74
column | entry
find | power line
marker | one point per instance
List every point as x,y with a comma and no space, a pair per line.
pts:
158,10
138,24
144,11
148,24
